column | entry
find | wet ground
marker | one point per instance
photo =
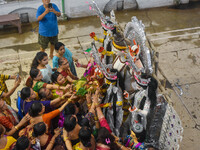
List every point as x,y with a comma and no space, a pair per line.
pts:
173,31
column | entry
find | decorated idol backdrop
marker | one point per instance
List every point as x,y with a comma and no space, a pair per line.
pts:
131,102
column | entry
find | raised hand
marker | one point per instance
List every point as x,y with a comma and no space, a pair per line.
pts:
24,120
46,11
17,81
88,97
57,132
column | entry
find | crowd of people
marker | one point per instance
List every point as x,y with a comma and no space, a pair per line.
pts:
54,115
57,110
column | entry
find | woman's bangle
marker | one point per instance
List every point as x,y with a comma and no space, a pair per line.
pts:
16,127
89,105
52,142
95,118
69,100
96,104
66,138
62,97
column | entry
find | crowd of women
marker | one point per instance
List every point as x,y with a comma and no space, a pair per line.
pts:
56,110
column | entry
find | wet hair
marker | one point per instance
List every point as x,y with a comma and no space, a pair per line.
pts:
34,72
120,78
104,137
85,122
70,109
39,56
61,60
41,93
85,136
153,84
22,143
35,109
77,104
25,93
39,129
58,45
152,87
54,76
69,123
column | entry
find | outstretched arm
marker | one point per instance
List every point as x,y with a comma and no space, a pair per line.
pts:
9,93
60,100
65,104
66,139
103,122
51,143
57,87
24,120
100,114
70,79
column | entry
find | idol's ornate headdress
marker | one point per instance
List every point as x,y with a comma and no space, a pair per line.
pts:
108,23
135,30
103,67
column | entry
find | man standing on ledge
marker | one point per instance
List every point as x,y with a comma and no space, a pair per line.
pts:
48,25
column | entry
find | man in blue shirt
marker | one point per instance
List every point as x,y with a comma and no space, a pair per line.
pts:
48,25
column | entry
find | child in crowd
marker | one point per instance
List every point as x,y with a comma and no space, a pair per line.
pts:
58,79
37,83
62,51
65,70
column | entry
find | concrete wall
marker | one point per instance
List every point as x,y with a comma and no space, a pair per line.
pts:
29,7
142,4
185,1
128,4
80,8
